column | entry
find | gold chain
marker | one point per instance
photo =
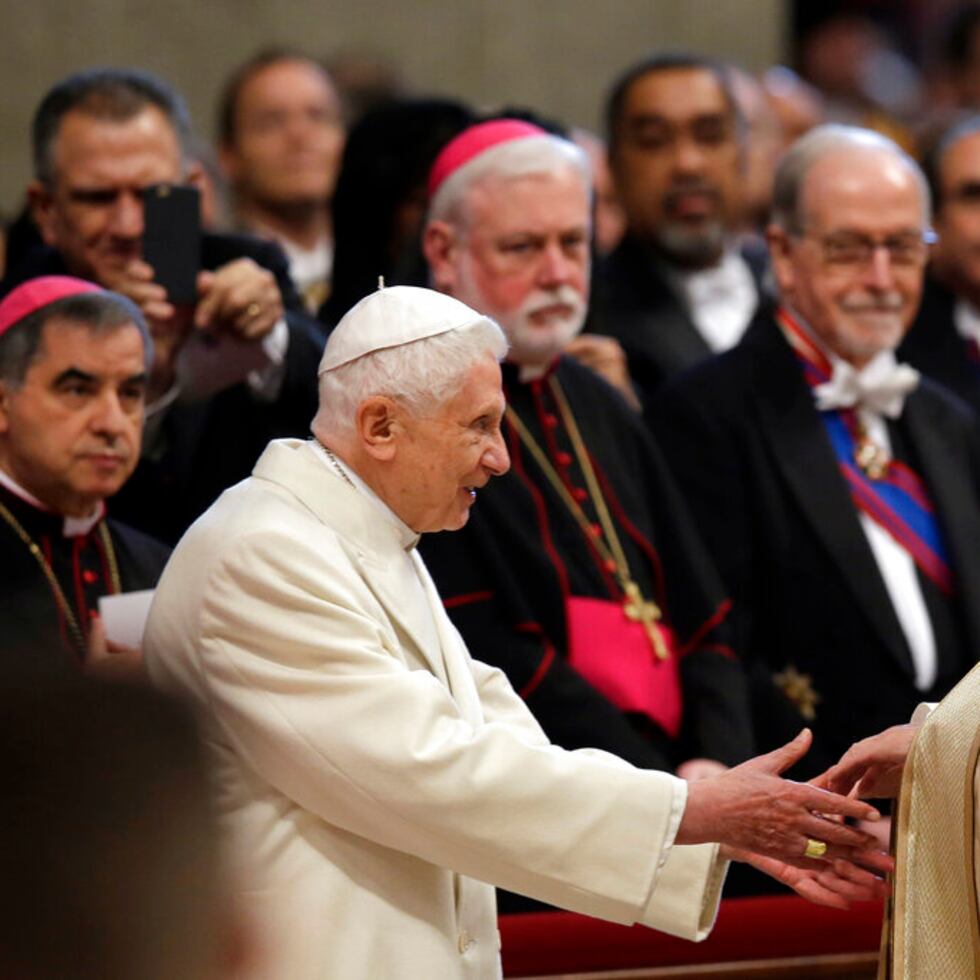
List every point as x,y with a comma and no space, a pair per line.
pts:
636,607
61,599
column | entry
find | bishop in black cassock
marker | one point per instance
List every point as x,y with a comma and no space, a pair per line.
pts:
81,555
509,579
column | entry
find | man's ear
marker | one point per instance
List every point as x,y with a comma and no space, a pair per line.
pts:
441,245
228,162
195,176
41,202
781,260
378,426
5,392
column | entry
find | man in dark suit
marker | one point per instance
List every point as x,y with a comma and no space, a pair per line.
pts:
836,489
230,371
678,287
944,341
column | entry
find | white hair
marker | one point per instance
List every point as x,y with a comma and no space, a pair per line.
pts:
820,142
525,157
421,375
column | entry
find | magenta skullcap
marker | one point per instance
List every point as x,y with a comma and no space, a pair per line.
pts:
470,143
34,294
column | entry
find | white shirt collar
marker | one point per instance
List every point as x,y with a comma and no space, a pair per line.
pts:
335,464
966,319
721,299
72,526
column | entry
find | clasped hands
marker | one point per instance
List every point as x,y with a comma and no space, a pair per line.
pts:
767,821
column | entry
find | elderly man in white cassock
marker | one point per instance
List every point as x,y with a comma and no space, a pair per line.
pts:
375,780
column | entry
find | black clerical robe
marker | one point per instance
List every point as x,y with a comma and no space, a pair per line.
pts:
32,624
506,578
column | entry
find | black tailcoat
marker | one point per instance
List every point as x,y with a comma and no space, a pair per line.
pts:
506,574
935,347
751,455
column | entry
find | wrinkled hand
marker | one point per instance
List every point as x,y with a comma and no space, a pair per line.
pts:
750,808
111,661
695,769
835,883
872,767
607,358
240,299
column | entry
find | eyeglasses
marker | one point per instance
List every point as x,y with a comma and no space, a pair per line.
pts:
846,250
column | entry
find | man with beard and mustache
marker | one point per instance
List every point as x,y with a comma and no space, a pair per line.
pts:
836,489
579,574
677,288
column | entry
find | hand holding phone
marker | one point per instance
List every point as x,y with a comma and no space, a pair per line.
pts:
172,239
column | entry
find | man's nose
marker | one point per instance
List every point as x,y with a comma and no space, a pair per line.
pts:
878,272
109,418
126,220
689,156
497,459
556,267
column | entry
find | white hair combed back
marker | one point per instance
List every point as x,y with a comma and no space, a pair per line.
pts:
814,146
421,375
529,156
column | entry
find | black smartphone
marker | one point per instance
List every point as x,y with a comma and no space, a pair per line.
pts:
172,238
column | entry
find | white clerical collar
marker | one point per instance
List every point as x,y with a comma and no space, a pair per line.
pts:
73,526
335,464
966,319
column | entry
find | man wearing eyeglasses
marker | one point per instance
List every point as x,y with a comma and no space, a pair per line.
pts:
836,488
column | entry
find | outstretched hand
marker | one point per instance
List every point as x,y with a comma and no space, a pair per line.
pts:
872,767
835,883
752,809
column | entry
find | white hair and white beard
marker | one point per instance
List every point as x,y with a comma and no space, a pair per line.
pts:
539,328
518,218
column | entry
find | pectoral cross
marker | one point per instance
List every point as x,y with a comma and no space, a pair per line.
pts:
647,612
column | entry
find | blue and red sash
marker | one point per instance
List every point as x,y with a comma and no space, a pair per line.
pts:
898,501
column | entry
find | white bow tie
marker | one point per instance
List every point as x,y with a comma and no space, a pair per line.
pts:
880,386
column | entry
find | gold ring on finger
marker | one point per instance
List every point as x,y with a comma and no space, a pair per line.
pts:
814,848
252,310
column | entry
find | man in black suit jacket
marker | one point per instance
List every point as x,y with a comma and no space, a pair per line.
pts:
837,491
944,341
678,287
230,371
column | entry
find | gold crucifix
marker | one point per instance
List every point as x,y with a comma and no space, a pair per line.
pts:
647,612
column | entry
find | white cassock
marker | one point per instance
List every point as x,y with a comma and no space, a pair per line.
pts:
372,776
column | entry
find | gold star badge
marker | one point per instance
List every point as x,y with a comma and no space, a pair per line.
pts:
799,689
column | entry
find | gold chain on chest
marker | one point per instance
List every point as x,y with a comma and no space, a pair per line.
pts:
61,600
636,607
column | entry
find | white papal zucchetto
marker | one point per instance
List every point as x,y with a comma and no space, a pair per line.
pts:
390,317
